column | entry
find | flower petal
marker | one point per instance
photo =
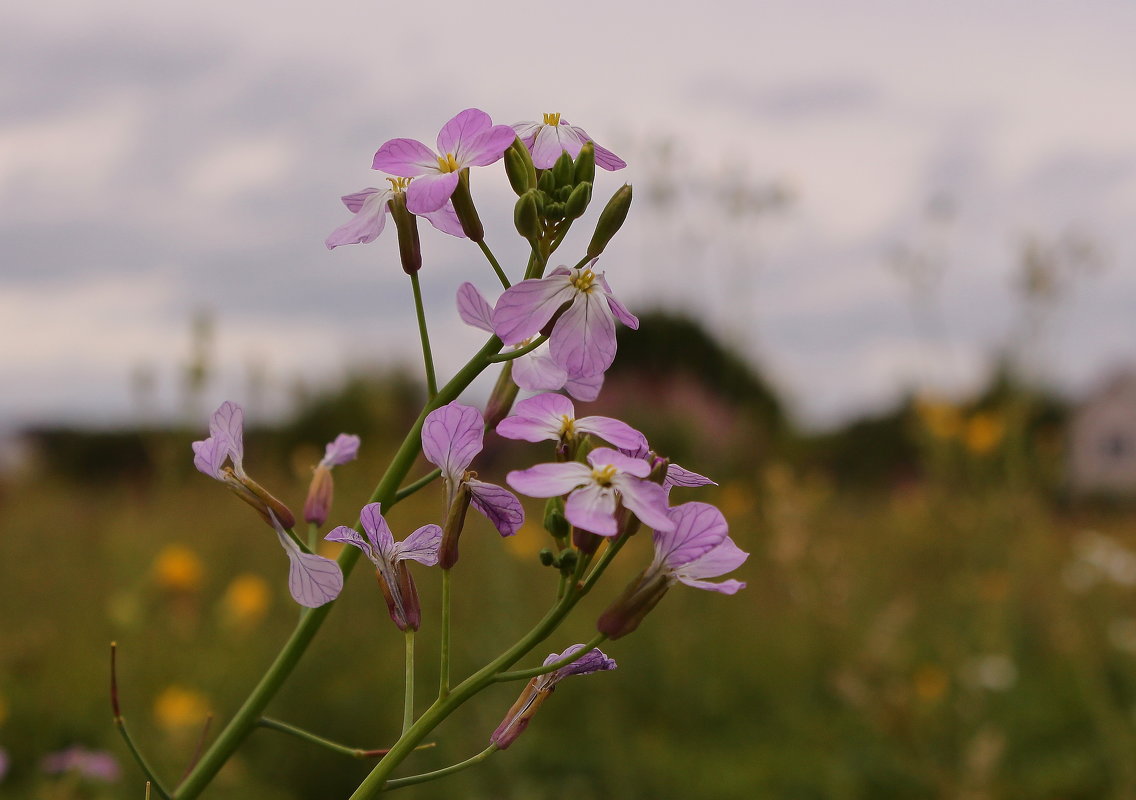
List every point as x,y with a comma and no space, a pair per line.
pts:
227,425
498,504
487,147
526,307
446,220
406,158
549,480
698,528
345,448
451,436
595,660
356,200
604,456
462,127
430,192
382,540
612,431
647,500
420,546
537,419
537,372
313,580
209,455
526,132
604,157
592,508
473,308
586,388
680,476
725,557
345,535
583,339
364,227
553,140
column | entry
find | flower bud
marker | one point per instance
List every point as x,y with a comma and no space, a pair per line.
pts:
519,167
259,498
578,201
452,529
501,398
563,170
641,595
320,493
546,183
611,220
409,248
585,169
526,217
546,556
554,519
403,604
568,560
466,211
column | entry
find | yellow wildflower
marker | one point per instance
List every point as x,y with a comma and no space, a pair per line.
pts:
178,569
246,600
178,708
984,432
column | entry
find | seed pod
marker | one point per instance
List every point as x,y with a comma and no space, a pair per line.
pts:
624,615
409,247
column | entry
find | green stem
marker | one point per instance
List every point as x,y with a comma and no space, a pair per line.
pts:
245,720
441,773
140,759
313,536
421,483
427,357
496,267
444,669
601,565
408,698
520,351
308,736
525,674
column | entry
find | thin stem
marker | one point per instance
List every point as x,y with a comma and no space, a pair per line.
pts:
421,483
520,351
427,357
397,783
385,492
313,536
444,670
496,267
602,563
200,745
525,674
308,736
120,723
408,698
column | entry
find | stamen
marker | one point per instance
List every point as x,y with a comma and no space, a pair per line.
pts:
567,427
552,119
583,282
399,184
448,163
604,474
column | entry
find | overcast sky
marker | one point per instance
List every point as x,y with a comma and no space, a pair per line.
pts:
161,158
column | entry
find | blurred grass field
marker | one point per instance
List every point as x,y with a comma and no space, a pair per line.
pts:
956,635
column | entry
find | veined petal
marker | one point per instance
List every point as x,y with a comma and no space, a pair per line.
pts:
462,127
549,480
586,388
487,147
583,339
526,132
604,157
595,660
420,546
313,580
725,587
537,372
612,431
680,476
647,500
362,228
698,528
356,200
429,193
345,535
345,448
617,308
209,455
406,158
473,308
446,220
538,418
451,436
382,540
498,504
227,426
725,557
526,307
551,142
592,508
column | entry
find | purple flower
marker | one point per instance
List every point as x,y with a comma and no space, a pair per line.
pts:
676,475
370,207
96,765
582,341
345,448
540,687
312,580
697,548
451,436
389,556
594,492
470,139
553,417
547,140
534,371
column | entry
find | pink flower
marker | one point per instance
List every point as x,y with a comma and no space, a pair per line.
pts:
470,139
696,548
582,341
553,417
370,207
547,140
595,491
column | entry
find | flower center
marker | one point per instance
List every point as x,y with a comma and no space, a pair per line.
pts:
398,184
603,475
567,427
448,163
584,280
552,119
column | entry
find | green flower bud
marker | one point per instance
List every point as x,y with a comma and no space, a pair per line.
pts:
554,520
526,218
467,213
568,561
563,170
546,557
585,169
546,182
519,167
578,201
611,220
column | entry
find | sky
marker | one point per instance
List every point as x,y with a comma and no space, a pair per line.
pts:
161,160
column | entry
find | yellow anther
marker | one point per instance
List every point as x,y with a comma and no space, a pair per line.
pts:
567,427
583,282
448,163
603,475
552,119
398,184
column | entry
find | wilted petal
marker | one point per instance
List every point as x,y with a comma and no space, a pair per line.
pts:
451,436
487,147
313,580
227,426
498,504
209,455
420,546
430,192
583,339
345,448
473,308
377,529
406,158
646,500
345,535
537,372
680,476
698,528
549,480
613,431
446,220
526,307
463,127
595,660
592,508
